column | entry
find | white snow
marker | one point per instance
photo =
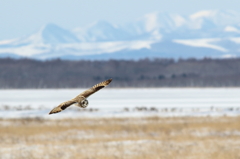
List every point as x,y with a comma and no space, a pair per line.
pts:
27,50
151,21
236,40
202,43
6,42
226,56
78,48
231,29
113,102
179,20
201,29
201,14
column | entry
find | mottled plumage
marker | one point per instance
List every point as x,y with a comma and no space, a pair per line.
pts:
81,100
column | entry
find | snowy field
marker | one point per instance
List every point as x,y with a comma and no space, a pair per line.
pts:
112,102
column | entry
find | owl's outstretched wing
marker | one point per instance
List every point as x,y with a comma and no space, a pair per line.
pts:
85,94
62,106
95,88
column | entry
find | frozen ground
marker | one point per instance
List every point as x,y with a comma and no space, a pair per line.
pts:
121,138
122,102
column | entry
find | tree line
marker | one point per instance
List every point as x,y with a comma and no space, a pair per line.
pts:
29,73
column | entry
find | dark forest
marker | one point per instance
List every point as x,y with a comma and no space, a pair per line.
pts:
27,73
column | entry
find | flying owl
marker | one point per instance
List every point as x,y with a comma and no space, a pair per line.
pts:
81,99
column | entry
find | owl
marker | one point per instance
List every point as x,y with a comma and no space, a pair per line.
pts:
81,99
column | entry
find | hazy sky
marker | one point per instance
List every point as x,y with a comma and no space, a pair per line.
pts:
23,17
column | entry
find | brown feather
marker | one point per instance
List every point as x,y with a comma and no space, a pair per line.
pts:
78,98
62,106
95,88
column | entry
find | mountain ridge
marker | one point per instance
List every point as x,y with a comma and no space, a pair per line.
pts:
214,31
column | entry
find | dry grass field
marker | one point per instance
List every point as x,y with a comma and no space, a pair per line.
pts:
121,138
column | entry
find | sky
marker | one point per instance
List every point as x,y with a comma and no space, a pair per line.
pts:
24,17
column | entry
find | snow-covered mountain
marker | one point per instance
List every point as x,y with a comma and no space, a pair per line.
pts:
101,31
210,33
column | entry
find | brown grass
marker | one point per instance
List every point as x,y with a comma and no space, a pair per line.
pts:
121,138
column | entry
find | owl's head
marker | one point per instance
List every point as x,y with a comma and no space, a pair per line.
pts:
84,103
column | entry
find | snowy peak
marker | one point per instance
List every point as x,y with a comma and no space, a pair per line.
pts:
154,25
53,34
202,14
161,20
210,31
217,17
48,34
101,31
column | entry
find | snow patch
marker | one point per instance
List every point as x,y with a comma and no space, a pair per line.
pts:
228,56
202,43
201,14
6,42
236,40
179,20
151,21
231,29
137,102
